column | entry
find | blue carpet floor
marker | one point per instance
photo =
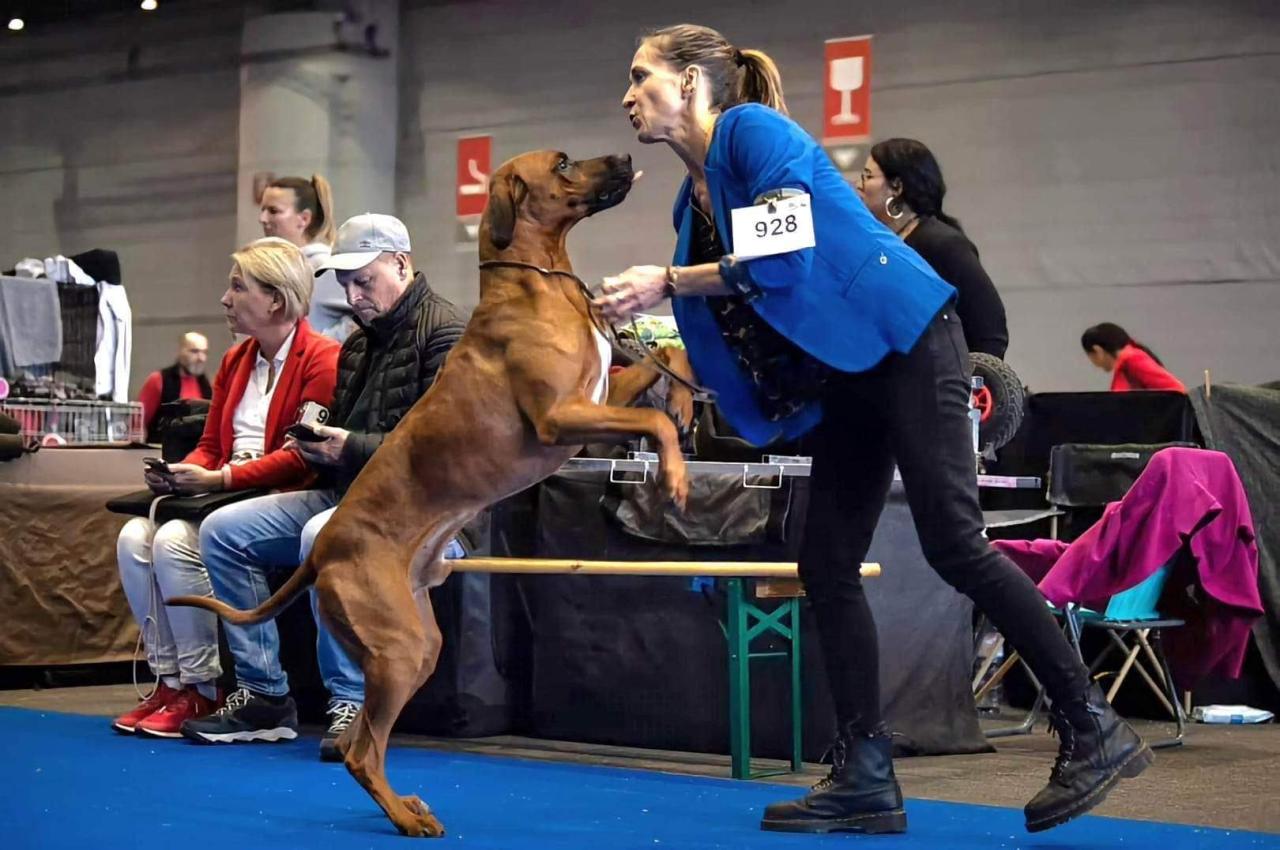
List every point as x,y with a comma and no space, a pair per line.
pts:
68,782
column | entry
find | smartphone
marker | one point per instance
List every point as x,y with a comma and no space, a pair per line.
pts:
301,432
158,467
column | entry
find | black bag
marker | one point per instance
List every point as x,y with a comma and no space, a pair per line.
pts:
191,508
14,446
180,424
725,509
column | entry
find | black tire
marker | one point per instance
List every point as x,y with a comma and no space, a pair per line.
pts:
1007,398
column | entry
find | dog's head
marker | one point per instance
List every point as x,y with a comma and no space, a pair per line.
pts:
552,192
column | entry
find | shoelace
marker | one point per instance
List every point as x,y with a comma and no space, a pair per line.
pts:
238,698
1062,729
838,753
341,713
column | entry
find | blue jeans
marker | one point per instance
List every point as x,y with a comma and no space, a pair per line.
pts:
244,541
240,544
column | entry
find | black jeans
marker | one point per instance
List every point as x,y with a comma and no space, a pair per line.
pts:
911,408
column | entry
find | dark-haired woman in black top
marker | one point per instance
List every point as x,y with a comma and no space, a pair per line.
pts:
902,185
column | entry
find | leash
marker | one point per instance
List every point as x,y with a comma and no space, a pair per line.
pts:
606,330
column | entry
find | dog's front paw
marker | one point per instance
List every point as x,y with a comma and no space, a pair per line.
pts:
675,483
680,408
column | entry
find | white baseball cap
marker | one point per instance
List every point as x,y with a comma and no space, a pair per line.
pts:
362,238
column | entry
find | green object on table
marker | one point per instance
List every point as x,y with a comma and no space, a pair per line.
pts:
740,631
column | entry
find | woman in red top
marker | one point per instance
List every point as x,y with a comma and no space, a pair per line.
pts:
1132,365
256,394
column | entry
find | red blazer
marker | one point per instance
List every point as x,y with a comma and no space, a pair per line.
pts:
309,374
1138,370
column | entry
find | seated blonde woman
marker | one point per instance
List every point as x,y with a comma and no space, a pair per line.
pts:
256,393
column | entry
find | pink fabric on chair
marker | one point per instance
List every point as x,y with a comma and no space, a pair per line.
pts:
1182,494
1035,557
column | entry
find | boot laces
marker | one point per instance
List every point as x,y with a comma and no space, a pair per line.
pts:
839,752
1061,728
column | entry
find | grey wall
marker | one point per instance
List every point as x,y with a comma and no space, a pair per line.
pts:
317,111
1113,161
92,156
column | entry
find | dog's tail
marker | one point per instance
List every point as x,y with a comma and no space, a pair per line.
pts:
303,577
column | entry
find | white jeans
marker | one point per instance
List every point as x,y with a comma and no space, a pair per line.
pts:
158,564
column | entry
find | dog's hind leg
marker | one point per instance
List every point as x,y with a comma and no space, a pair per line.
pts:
430,656
391,642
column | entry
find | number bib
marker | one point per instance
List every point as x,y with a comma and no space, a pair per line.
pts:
776,227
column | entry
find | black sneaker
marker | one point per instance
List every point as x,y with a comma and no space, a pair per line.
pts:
341,713
246,717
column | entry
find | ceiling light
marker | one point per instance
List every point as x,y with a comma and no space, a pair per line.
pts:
16,24
149,5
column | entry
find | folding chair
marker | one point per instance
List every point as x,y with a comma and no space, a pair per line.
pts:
1081,477
1132,616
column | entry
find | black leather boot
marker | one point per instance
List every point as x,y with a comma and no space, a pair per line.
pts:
1097,749
860,794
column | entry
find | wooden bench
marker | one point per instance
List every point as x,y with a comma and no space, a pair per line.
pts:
745,622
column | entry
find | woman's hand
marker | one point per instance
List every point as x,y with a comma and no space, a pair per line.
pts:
638,288
159,484
190,479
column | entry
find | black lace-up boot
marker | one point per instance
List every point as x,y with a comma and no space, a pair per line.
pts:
1097,749
860,794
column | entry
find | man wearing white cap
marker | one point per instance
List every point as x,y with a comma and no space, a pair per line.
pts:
405,331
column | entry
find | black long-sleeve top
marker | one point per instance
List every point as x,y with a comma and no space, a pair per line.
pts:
955,259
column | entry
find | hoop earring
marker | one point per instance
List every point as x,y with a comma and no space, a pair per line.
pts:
888,209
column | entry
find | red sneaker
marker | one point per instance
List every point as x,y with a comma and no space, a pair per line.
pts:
189,704
160,697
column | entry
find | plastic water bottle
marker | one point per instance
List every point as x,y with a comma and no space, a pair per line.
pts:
975,415
990,645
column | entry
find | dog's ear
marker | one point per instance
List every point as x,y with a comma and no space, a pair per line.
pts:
505,195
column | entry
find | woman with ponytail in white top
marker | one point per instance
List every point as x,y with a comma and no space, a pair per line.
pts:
301,211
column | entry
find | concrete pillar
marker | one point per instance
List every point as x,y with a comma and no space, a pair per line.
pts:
308,105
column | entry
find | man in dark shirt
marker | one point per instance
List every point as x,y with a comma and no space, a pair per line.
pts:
184,379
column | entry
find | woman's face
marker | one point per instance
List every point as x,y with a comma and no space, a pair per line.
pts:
1099,357
250,307
874,190
279,215
654,101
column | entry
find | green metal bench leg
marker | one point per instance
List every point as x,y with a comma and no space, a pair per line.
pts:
739,631
739,683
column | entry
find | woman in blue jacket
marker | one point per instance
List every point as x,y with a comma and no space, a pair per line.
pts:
856,340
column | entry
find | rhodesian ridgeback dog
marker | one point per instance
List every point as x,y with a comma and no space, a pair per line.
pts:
520,393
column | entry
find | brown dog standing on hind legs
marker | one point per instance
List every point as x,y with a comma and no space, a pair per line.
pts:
519,394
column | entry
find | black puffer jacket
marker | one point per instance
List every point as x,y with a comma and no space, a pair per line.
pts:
385,367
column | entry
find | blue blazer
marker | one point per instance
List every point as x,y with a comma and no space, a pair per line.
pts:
859,294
